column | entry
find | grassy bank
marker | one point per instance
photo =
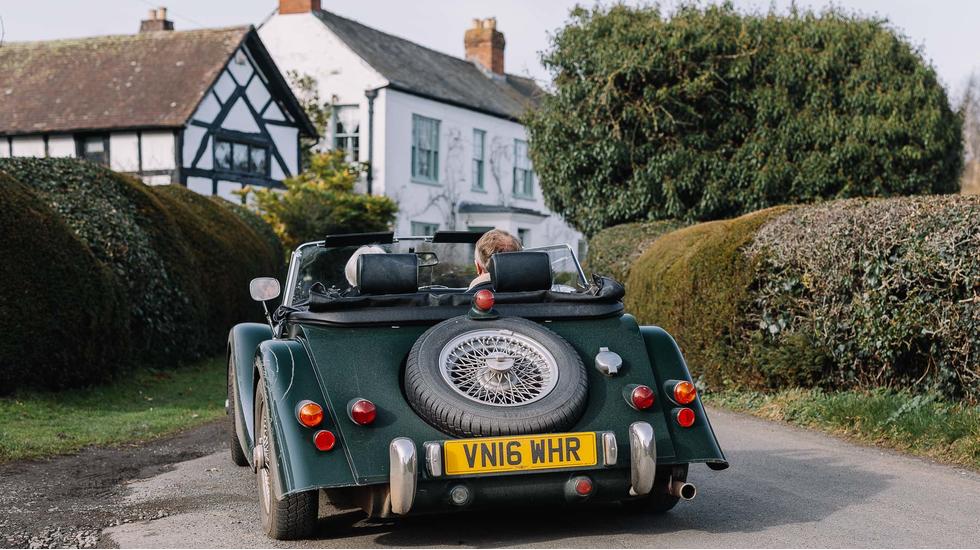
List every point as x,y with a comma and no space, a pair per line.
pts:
918,424
143,405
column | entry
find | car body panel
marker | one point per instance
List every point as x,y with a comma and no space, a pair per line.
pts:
243,342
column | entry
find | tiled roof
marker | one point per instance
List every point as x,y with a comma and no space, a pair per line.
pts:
419,70
153,79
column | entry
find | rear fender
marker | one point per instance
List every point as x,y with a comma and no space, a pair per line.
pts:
243,341
694,444
291,379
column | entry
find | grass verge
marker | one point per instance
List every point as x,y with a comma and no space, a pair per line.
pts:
922,425
144,405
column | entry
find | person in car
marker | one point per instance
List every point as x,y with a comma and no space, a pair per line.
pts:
493,241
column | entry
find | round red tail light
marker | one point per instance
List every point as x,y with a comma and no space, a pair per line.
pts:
362,411
685,417
684,392
583,486
483,300
642,397
309,414
324,440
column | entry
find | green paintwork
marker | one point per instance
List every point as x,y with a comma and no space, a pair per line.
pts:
243,341
367,362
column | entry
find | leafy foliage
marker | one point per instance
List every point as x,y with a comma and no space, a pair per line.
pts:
614,250
321,201
853,293
61,311
705,114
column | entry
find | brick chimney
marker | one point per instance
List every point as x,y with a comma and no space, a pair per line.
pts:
298,6
156,21
485,45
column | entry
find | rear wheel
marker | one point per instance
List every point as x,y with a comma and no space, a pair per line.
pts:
659,501
234,444
294,516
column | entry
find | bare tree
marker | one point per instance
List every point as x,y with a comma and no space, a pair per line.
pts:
499,157
969,107
446,198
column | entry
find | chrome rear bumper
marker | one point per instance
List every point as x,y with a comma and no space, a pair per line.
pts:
643,458
403,474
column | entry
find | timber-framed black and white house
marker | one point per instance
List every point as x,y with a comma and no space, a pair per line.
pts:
208,108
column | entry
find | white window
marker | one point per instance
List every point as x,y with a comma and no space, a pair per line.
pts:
523,175
479,137
424,229
347,131
241,158
425,149
524,235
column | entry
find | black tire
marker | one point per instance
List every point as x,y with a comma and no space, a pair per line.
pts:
234,443
294,516
659,501
433,399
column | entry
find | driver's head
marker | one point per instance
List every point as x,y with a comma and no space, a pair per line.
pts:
490,243
350,270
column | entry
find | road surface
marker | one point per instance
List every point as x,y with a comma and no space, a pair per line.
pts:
786,487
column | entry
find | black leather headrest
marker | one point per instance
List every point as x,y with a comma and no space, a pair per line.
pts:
388,273
520,271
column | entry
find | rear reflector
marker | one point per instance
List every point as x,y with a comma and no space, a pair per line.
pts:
324,440
685,417
361,411
640,397
483,300
309,414
583,486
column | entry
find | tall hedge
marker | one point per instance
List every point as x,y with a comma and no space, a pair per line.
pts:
226,254
705,113
129,230
613,251
851,293
63,318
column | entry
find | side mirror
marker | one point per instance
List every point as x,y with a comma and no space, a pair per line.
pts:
427,259
264,288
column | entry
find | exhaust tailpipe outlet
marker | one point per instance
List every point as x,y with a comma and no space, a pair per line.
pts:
682,489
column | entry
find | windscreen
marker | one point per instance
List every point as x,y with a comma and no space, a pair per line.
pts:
442,266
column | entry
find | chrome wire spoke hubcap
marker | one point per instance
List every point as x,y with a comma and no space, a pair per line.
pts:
498,367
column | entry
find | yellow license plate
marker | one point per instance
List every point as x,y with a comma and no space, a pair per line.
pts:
513,454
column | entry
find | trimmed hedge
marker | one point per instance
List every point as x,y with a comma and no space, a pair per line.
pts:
181,262
227,254
614,250
62,313
852,293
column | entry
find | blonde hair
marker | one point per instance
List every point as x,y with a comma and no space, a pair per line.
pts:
350,270
493,241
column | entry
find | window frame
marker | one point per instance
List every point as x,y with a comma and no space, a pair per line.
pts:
81,139
526,190
424,227
250,145
478,165
351,154
433,160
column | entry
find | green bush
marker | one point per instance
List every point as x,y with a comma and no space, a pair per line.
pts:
63,319
706,114
853,293
129,230
227,254
260,227
613,250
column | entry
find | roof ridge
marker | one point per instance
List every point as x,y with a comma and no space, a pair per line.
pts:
137,35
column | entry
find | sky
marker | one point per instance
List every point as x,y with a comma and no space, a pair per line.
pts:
945,30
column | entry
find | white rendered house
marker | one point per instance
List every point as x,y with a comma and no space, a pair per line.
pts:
441,134
205,108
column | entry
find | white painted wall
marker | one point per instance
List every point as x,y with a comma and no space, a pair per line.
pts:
27,146
61,145
124,151
4,147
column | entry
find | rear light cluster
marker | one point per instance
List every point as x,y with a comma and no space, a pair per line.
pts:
483,300
310,414
681,392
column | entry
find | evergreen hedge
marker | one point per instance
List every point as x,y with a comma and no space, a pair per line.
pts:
63,319
705,113
852,293
181,262
614,250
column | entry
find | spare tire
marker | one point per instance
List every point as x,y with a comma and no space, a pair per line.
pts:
506,376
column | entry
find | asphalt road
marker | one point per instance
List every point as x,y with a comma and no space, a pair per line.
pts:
786,487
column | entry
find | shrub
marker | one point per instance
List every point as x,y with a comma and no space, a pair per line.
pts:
127,228
613,250
261,228
852,293
227,254
321,201
63,319
705,114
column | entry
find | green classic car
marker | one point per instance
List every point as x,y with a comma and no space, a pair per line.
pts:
406,393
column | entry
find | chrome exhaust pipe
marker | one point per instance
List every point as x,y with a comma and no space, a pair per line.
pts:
682,489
